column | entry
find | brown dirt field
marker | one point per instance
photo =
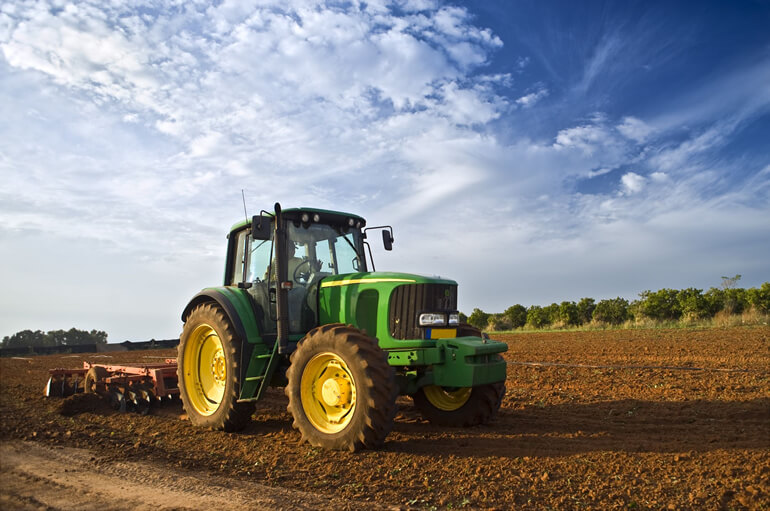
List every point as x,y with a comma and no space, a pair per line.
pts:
628,419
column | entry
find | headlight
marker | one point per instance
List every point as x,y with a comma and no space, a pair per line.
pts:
454,318
305,218
432,319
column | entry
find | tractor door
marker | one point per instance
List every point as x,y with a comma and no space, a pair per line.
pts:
258,256
261,273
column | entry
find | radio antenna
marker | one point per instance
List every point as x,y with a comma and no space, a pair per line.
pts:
245,214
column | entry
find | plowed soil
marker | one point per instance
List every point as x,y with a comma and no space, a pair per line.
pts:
639,419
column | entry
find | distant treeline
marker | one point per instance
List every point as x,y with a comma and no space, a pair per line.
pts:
653,307
38,338
88,348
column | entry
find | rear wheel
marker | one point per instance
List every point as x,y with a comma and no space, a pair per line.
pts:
208,371
342,392
462,406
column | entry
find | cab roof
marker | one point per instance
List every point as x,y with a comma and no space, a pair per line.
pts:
291,212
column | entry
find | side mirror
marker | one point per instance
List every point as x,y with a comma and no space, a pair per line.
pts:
387,239
260,227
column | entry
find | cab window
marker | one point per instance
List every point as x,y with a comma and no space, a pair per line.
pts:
238,260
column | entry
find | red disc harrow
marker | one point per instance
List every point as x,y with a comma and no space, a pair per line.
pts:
135,387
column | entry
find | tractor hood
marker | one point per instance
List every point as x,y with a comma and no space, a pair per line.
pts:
382,277
385,304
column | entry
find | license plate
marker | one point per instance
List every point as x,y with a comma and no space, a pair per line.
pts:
441,333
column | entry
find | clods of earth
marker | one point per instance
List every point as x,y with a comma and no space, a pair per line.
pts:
623,419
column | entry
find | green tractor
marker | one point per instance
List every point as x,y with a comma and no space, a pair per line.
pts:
300,309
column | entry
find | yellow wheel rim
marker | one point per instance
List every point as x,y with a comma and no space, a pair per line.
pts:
447,400
328,393
205,370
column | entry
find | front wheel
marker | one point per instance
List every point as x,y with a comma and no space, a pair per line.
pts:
463,406
342,392
208,371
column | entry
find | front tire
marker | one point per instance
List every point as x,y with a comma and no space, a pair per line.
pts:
342,392
208,371
463,406
460,407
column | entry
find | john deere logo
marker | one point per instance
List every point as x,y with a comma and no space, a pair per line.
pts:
446,293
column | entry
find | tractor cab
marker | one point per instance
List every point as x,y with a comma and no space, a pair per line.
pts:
291,260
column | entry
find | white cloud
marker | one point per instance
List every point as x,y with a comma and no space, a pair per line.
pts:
635,129
291,101
603,55
681,156
530,99
632,183
588,138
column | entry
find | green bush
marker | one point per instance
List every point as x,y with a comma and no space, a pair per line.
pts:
498,322
479,319
715,300
586,308
661,305
538,317
736,300
692,303
553,313
517,315
569,313
613,311
759,298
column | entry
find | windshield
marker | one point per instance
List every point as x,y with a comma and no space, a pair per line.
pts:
329,249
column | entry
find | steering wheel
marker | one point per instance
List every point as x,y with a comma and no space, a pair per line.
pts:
302,277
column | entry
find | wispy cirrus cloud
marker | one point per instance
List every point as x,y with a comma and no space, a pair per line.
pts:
129,130
292,90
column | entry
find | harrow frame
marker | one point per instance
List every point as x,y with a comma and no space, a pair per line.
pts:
127,386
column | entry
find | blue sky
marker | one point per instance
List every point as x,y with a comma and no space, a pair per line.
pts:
533,151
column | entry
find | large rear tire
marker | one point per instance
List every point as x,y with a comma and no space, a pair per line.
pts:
208,371
459,407
342,391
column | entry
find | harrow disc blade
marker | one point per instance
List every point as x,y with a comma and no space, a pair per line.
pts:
118,401
48,391
142,402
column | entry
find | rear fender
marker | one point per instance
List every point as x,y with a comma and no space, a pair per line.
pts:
237,305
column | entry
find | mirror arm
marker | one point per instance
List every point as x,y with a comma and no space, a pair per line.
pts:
371,257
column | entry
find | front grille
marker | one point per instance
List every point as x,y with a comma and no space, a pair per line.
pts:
408,301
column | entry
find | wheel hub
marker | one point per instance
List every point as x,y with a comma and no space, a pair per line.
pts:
336,392
218,367
328,392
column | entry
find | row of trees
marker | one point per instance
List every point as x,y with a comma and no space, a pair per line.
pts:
71,337
662,305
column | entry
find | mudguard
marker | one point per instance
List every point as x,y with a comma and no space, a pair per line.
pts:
239,309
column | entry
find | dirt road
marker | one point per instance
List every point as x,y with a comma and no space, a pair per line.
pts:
36,476
642,419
